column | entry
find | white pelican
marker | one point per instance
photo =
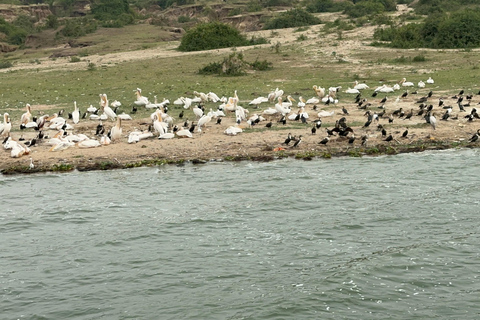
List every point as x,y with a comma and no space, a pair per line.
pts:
158,124
141,100
116,131
281,108
106,108
421,84
124,116
197,111
184,133
274,95
360,86
255,102
313,101
430,80
136,136
203,122
233,130
92,109
6,126
25,117
203,97
301,102
432,120
168,135
406,83
319,91
105,140
89,143
17,150
324,113
352,91
213,97
384,88
115,104
75,113
270,111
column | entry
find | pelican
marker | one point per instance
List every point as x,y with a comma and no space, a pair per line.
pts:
136,136
255,102
360,86
301,102
213,97
384,88
421,84
432,120
274,95
92,109
324,113
203,97
6,126
312,101
116,131
141,100
105,140
75,113
353,91
89,143
319,91
124,116
203,122
168,135
406,83
25,117
232,130
197,111
106,108
430,80
158,124
184,133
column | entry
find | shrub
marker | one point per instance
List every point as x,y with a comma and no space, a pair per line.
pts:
5,64
74,59
212,35
364,8
112,13
75,28
326,6
234,65
292,18
183,19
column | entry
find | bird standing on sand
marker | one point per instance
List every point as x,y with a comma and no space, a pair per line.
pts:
299,140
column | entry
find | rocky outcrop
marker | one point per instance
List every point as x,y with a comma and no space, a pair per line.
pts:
39,11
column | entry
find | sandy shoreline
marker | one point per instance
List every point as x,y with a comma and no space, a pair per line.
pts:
257,143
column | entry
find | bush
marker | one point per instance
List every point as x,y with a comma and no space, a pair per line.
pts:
75,28
234,65
112,13
5,64
457,30
292,18
364,8
212,35
14,35
326,6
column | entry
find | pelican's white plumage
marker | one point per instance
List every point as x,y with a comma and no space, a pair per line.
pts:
319,91
184,133
233,130
168,135
89,143
6,126
75,113
116,131
324,113
421,84
202,122
430,80
141,100
124,116
313,101
406,83
352,91
360,86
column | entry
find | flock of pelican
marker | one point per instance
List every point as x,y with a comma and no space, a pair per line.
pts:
163,125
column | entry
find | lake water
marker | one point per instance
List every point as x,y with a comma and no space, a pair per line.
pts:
393,237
